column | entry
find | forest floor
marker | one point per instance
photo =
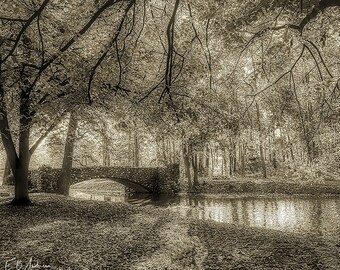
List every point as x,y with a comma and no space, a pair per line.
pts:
67,233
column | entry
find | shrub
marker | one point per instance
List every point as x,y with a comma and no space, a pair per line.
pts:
44,179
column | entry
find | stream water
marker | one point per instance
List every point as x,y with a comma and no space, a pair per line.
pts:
311,215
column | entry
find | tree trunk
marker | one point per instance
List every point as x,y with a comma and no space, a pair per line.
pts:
7,172
195,170
173,151
21,171
291,148
207,161
231,162
164,151
212,166
274,160
242,157
226,171
263,162
19,163
186,160
64,180
201,166
106,148
136,149
130,152
232,156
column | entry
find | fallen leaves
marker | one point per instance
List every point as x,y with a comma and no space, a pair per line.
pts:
68,233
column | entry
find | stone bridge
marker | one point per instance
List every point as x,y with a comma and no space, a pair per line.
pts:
151,180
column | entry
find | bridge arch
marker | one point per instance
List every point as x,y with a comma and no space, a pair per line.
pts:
123,181
152,180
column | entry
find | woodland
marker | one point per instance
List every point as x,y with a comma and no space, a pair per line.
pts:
224,88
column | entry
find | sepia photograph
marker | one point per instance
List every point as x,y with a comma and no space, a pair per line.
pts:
170,134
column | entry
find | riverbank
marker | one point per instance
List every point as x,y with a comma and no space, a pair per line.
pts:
235,186
256,185
67,233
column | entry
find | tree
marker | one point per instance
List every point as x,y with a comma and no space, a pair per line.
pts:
64,181
30,72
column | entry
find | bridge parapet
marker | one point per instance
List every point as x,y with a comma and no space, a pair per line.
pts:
155,180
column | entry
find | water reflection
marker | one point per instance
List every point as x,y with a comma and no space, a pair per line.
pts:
320,216
113,197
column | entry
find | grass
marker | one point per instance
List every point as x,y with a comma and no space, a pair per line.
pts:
255,185
67,233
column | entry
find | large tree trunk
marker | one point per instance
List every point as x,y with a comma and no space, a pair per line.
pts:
21,171
64,180
7,172
19,163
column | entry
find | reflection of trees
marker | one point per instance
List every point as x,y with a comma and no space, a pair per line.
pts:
245,213
234,210
275,210
253,210
265,214
316,217
292,214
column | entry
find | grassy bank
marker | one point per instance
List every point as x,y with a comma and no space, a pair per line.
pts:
67,233
239,185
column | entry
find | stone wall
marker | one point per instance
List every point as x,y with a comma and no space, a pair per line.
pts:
155,180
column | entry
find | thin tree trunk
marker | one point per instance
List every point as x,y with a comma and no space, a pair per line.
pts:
291,149
195,170
211,171
106,148
173,151
225,162
7,180
232,156
242,157
186,160
136,150
130,152
64,181
263,162
164,152
207,161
